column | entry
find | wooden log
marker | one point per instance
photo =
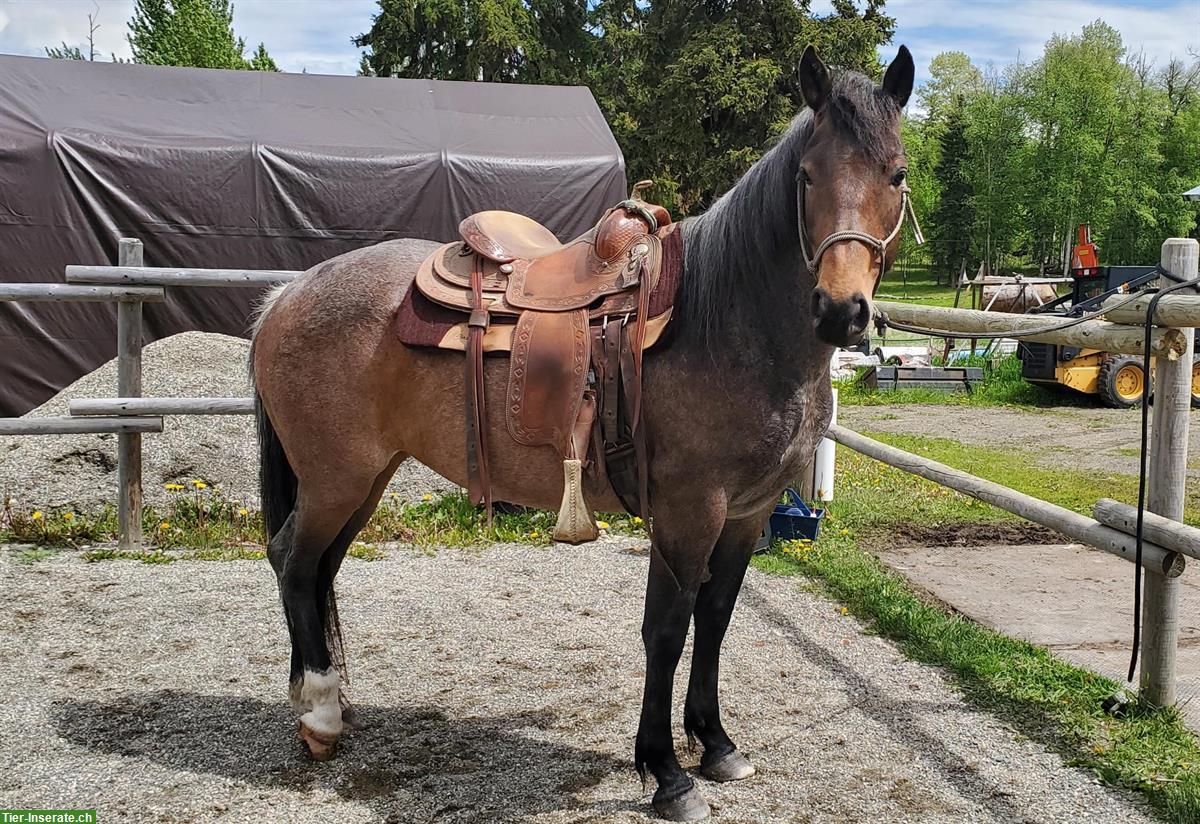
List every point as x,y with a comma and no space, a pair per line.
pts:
77,426
1179,310
156,276
129,385
1072,524
1165,490
162,406
1091,334
71,293
1166,533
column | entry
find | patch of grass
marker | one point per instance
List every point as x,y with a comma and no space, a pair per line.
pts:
1002,386
31,555
916,283
1149,750
452,520
884,496
201,524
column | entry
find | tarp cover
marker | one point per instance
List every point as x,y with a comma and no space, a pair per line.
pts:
256,170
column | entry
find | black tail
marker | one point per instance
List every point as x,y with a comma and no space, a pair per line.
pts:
276,480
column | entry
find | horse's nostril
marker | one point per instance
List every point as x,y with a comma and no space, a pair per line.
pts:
862,312
820,304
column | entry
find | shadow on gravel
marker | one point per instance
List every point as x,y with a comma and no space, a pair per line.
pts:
408,763
896,712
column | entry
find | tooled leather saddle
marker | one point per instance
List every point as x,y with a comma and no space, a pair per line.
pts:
574,319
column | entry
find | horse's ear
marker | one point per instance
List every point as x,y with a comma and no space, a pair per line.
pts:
814,79
898,80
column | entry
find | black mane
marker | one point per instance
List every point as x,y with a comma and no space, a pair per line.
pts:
750,236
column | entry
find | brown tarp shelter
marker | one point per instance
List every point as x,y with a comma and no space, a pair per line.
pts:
256,170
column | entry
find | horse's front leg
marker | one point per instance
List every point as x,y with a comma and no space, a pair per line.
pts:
678,563
714,607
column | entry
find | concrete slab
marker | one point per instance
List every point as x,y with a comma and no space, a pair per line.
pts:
1074,600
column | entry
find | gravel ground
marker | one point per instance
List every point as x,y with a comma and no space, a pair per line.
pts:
80,471
501,685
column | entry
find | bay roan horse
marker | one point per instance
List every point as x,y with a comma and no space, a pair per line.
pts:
736,397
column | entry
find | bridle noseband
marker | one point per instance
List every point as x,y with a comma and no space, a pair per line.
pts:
841,236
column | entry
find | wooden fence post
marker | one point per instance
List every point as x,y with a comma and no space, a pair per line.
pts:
1165,490
129,385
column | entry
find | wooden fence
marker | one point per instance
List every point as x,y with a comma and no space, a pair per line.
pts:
1163,547
130,284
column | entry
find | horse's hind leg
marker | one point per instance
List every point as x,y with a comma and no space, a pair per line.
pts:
307,553
714,607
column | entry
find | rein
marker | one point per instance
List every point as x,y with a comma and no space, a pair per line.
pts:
878,245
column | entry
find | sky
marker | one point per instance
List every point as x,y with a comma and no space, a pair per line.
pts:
315,35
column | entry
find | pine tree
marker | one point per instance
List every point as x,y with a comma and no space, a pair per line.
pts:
191,33
953,219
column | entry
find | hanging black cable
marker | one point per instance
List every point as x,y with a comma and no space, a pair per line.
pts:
1144,462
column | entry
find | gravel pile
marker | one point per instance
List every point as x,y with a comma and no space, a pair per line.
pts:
80,471
501,685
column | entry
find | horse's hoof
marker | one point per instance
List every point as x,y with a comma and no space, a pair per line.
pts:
732,766
690,806
320,747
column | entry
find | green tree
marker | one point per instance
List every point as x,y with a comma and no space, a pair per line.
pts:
488,40
997,145
953,219
720,81
191,33
65,52
694,92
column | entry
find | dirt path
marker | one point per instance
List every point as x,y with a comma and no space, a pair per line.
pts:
499,686
1106,440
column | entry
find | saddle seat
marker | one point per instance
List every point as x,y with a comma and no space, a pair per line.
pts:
575,319
507,236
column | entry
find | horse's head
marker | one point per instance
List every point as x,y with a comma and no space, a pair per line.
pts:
851,191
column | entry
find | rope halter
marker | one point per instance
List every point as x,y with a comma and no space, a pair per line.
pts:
877,245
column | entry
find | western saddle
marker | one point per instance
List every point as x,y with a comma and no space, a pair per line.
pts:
575,318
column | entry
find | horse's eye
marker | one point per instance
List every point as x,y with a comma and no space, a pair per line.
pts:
899,177
804,177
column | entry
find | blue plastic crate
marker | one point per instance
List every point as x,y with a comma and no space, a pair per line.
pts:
794,520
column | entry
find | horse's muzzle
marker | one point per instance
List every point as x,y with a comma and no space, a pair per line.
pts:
840,322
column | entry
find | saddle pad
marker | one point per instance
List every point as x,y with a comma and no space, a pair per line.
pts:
422,323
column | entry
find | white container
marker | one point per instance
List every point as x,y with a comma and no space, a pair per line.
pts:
823,466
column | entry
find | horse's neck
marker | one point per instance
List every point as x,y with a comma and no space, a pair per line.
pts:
764,327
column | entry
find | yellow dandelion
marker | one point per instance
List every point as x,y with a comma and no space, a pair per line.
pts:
845,611
636,519
426,497
533,534
37,516
173,487
243,512
844,532
602,524
164,526
68,516
200,484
